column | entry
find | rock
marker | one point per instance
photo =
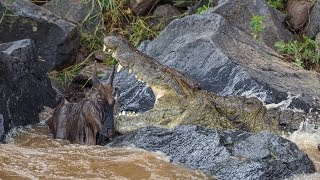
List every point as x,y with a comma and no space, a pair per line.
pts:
134,96
185,3
164,14
223,154
56,40
239,13
166,10
227,61
87,14
313,27
299,13
142,7
24,86
2,133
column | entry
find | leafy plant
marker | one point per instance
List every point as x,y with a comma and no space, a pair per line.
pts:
303,54
277,4
256,25
205,7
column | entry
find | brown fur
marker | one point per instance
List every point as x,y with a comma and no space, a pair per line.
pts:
81,122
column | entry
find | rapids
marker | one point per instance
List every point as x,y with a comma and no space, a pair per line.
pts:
307,138
31,153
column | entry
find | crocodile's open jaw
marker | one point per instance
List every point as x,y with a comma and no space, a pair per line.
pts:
158,89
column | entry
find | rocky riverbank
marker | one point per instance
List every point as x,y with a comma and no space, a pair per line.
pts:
226,47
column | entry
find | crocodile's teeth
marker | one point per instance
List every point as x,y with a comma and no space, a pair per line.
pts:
104,48
123,113
114,54
130,71
119,68
119,114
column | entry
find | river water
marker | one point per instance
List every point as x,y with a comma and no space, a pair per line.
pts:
33,154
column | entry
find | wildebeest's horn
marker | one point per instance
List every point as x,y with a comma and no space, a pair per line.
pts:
110,80
94,76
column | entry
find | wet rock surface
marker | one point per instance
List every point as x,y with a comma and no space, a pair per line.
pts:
223,154
227,61
24,86
56,40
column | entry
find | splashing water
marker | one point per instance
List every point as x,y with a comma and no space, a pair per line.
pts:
32,154
308,138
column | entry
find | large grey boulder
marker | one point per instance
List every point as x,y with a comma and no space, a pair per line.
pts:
228,61
239,13
24,86
57,41
87,14
313,27
224,154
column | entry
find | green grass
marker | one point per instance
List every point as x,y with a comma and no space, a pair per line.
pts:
277,4
142,31
304,54
256,25
204,8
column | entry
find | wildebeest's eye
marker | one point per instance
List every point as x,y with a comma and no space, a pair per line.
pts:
99,100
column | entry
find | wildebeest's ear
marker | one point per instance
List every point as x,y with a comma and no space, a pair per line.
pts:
111,76
95,80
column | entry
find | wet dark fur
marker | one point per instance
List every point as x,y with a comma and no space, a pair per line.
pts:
81,122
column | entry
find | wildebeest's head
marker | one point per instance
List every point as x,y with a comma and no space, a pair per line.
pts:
104,98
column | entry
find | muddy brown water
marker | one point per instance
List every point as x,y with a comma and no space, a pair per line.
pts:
33,154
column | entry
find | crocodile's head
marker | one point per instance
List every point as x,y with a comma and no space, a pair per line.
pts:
180,101
164,81
112,43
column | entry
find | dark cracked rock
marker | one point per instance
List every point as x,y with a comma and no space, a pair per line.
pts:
223,154
24,86
57,41
239,13
87,14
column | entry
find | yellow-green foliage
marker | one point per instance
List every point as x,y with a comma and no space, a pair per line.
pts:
256,25
277,4
304,54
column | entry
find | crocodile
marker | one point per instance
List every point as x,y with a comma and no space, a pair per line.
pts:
181,101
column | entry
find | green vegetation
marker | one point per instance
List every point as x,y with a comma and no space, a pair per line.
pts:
141,31
277,4
256,25
205,7
303,54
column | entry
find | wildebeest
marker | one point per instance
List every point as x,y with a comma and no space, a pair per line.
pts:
81,122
